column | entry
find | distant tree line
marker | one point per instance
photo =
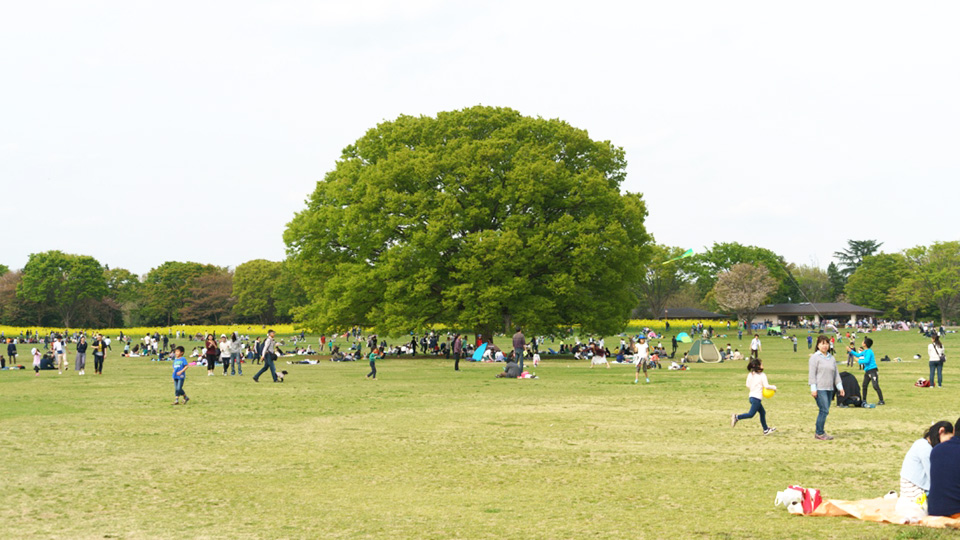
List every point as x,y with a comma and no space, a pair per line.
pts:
63,289
922,282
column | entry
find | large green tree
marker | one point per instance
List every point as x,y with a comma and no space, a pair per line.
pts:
166,289
4,269
477,219
63,283
874,280
723,256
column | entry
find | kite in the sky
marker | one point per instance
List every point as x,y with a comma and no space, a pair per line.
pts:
687,253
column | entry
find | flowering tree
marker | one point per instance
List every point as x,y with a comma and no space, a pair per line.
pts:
743,288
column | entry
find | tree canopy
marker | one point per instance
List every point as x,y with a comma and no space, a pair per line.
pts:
872,282
477,219
166,289
663,279
723,256
852,257
266,291
62,283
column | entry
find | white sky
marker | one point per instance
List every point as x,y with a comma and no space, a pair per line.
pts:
141,132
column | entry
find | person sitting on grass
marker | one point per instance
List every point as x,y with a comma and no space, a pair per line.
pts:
510,371
915,471
944,497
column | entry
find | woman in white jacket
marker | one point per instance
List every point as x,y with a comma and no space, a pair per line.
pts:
756,382
937,356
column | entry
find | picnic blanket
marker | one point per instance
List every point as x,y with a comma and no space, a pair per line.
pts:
881,510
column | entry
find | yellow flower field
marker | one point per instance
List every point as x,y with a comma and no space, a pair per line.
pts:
254,329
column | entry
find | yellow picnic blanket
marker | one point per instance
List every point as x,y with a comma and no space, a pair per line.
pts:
880,510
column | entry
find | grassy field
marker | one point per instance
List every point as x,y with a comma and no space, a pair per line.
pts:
426,452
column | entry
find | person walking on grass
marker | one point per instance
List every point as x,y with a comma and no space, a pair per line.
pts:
373,365
80,364
211,353
99,351
236,355
268,356
823,379
224,347
180,366
937,355
755,346
757,383
870,373
60,353
640,354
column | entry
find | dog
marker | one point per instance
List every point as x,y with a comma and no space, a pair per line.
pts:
281,375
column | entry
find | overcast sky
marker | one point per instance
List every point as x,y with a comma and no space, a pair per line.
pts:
142,132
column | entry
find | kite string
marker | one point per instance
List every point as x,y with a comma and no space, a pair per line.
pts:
799,288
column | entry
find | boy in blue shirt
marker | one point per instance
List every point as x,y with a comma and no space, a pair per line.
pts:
180,366
867,359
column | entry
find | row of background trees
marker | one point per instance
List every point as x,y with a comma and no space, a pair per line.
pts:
62,289
922,282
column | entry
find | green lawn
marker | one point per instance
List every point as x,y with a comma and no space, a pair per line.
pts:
426,452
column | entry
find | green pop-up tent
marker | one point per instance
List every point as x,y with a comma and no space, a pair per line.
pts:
703,350
682,337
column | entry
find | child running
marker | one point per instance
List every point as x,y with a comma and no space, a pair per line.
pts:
756,382
180,366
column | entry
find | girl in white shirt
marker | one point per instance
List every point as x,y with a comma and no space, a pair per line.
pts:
756,382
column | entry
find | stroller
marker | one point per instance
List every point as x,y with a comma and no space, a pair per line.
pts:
851,391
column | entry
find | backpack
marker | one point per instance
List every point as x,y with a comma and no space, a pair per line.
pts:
811,498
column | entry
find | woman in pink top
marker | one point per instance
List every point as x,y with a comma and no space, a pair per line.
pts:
756,382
